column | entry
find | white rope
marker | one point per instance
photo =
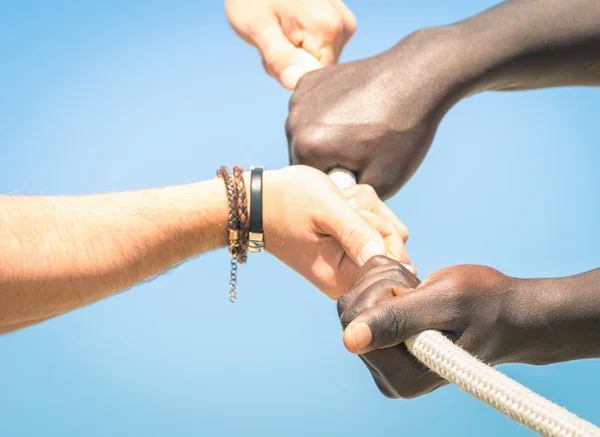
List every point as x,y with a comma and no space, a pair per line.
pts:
496,389
484,382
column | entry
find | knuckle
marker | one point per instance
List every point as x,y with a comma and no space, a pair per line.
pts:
383,385
272,60
348,316
393,320
332,286
334,292
291,125
453,290
368,191
389,394
449,281
385,391
292,105
336,27
409,392
449,287
404,234
306,142
268,68
349,233
342,303
329,23
350,23
252,30
383,175
377,263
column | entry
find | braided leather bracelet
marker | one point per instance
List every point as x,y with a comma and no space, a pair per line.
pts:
233,228
242,212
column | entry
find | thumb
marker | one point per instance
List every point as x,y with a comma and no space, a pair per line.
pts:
359,240
282,59
393,320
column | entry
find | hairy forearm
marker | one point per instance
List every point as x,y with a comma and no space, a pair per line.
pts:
61,253
526,44
561,314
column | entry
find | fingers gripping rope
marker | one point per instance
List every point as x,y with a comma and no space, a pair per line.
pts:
484,382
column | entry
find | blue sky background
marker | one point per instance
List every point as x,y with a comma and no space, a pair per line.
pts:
110,95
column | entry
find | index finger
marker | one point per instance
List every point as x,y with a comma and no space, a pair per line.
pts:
364,197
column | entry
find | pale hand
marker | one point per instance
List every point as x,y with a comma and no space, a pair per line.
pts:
292,36
324,234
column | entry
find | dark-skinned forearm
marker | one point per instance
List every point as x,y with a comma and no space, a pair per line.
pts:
562,314
527,44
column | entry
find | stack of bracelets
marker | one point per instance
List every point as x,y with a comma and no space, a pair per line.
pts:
245,218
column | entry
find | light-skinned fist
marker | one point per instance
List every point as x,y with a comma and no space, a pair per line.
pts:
293,36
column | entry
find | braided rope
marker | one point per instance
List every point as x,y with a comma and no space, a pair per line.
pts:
484,382
496,389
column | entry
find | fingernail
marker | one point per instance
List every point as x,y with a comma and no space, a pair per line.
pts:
371,249
291,76
359,337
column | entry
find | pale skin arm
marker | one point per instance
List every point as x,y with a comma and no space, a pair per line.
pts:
62,253
59,253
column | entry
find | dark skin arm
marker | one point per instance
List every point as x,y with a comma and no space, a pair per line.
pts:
378,116
527,44
498,318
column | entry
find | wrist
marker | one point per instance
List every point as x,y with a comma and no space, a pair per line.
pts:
460,59
437,56
480,55
504,57
215,206
204,211
289,195
274,207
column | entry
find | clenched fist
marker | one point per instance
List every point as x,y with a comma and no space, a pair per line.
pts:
293,36
377,116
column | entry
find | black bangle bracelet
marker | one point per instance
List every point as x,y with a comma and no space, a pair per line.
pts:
256,236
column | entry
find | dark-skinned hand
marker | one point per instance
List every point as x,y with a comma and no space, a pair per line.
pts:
375,117
495,317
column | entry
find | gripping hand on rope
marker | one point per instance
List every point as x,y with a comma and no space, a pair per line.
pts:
378,116
497,318
293,36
